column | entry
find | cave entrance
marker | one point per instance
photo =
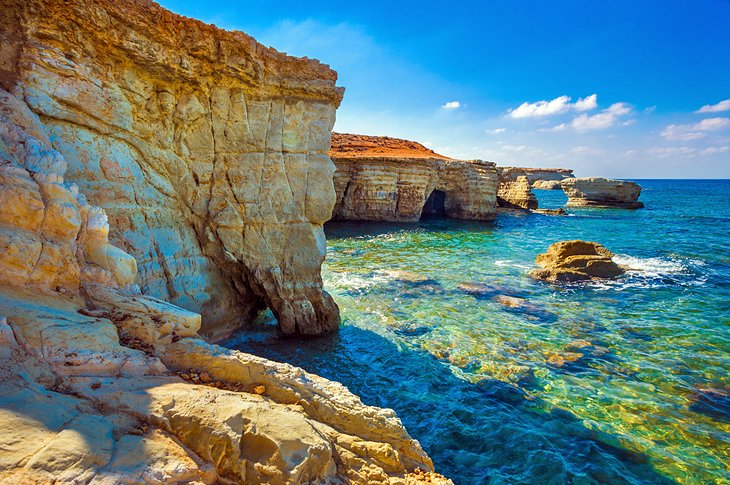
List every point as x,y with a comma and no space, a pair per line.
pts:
435,205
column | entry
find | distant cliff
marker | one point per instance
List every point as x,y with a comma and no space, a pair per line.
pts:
389,179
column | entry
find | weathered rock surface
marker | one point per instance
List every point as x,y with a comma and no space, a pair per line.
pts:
388,179
576,260
207,150
514,190
89,391
601,192
546,185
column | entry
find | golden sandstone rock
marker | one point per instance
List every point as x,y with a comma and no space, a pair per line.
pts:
207,150
601,192
89,390
567,261
389,179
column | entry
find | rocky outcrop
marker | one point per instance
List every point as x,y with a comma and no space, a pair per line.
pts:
514,190
101,384
601,192
540,178
568,261
207,150
546,185
388,179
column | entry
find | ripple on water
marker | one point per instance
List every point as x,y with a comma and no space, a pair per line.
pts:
503,379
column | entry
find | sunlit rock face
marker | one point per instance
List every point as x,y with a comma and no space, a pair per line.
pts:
101,384
389,179
602,192
207,150
514,190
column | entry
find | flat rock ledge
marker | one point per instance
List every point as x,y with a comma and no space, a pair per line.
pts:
569,261
601,192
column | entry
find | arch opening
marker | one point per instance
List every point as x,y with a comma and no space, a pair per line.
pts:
435,205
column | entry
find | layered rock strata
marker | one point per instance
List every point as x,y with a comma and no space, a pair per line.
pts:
514,190
93,374
541,177
207,150
568,261
601,192
389,179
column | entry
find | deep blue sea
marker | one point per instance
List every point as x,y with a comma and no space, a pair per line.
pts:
625,381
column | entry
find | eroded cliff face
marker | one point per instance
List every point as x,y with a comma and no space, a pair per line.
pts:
514,190
601,192
207,150
100,384
389,179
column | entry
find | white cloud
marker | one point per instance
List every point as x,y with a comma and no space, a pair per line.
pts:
514,148
560,127
715,108
714,150
559,105
665,152
586,104
584,150
605,119
695,131
452,105
497,131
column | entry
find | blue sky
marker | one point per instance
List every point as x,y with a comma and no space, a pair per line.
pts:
620,89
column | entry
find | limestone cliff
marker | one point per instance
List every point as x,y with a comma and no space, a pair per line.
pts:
207,150
389,179
601,192
100,384
514,190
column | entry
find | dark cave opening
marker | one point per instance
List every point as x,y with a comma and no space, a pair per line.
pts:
435,205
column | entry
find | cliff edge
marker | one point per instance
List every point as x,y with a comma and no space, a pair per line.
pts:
390,179
207,150
101,384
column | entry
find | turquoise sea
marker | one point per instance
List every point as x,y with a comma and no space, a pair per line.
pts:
625,381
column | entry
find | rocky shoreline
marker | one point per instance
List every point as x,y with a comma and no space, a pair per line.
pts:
163,181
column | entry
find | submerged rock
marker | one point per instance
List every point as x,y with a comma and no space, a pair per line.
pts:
576,260
551,212
410,277
601,192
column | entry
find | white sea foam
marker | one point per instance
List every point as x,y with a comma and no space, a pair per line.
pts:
511,264
652,267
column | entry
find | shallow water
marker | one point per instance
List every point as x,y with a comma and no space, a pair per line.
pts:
620,382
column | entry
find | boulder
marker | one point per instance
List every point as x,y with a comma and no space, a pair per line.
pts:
577,260
601,192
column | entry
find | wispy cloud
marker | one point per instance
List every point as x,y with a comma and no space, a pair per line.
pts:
451,105
715,108
695,131
605,119
559,105
497,131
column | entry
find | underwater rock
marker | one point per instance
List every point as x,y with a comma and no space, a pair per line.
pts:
575,260
712,401
551,212
409,277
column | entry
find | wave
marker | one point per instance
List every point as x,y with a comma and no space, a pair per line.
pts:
512,264
655,272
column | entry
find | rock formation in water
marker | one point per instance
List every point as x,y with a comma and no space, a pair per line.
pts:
388,179
207,150
546,185
568,261
101,384
601,192
514,190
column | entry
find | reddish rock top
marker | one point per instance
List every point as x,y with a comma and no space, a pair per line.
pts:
345,145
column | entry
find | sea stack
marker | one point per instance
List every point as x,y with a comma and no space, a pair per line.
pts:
601,192
568,261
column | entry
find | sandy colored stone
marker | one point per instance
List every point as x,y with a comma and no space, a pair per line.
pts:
207,150
514,190
546,185
576,260
389,179
601,192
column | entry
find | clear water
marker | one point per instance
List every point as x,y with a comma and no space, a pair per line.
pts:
620,382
